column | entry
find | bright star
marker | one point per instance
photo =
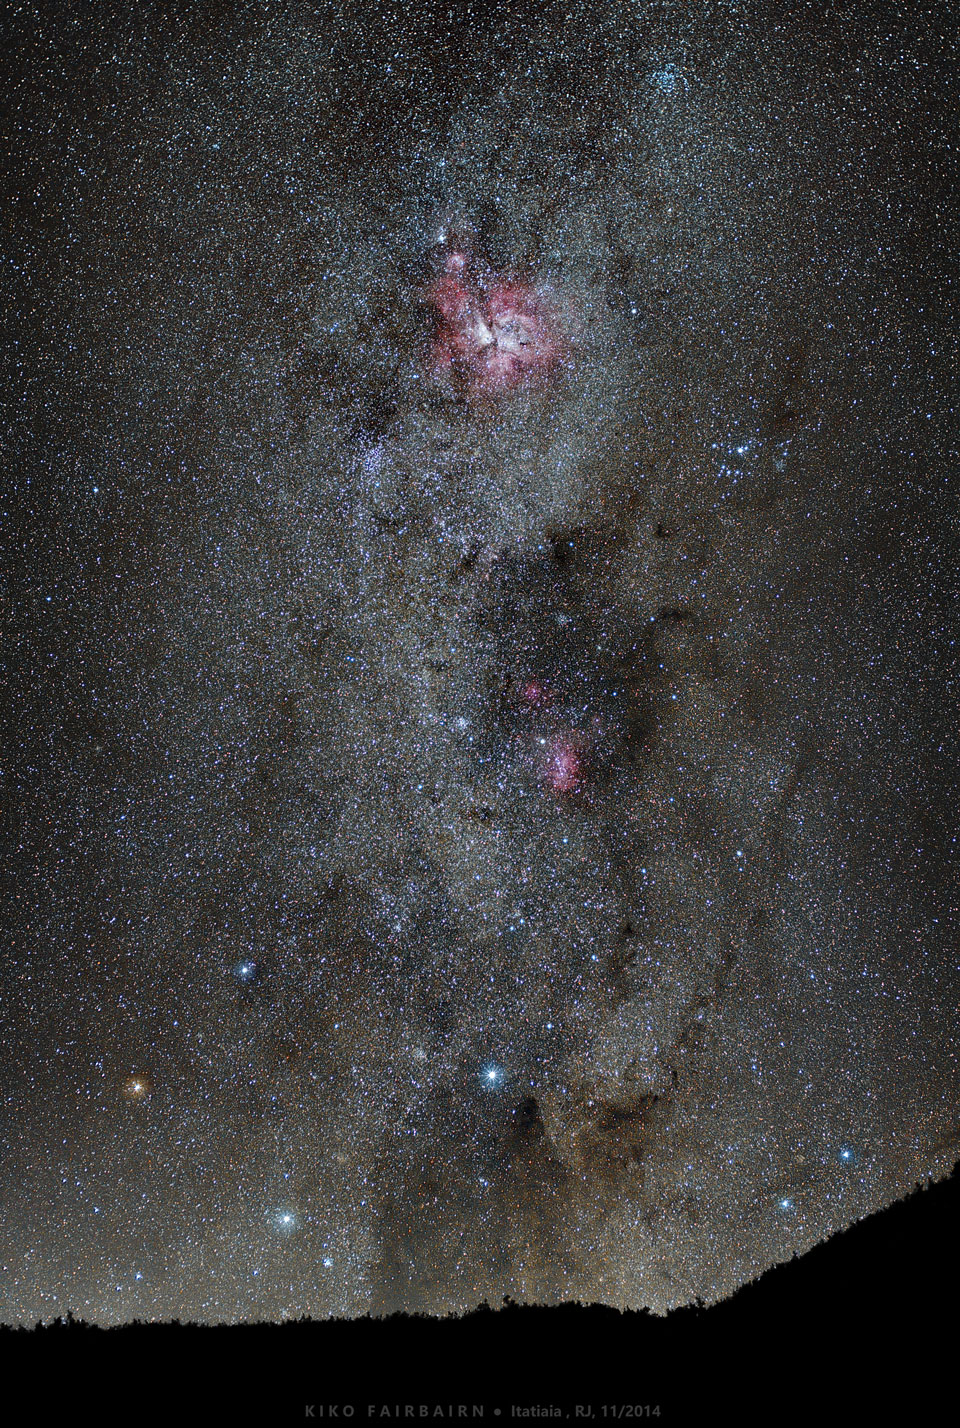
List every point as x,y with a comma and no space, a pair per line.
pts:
285,1221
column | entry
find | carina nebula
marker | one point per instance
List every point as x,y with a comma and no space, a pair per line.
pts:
492,334
479,536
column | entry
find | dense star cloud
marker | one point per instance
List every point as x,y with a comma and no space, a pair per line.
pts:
479,508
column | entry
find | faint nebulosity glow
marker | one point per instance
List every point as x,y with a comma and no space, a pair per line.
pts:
479,555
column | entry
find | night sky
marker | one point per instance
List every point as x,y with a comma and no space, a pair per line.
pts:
480,773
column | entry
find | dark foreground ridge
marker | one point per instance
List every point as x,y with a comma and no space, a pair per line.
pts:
860,1316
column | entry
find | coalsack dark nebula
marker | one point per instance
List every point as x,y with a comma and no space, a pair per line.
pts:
480,546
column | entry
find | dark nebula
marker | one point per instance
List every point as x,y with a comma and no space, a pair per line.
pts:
480,534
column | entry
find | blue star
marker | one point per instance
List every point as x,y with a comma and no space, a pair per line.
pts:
285,1221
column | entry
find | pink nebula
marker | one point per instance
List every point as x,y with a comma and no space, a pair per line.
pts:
562,767
535,695
493,334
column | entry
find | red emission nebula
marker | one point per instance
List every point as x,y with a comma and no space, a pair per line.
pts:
493,334
562,765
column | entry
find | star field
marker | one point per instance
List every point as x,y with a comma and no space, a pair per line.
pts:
480,750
